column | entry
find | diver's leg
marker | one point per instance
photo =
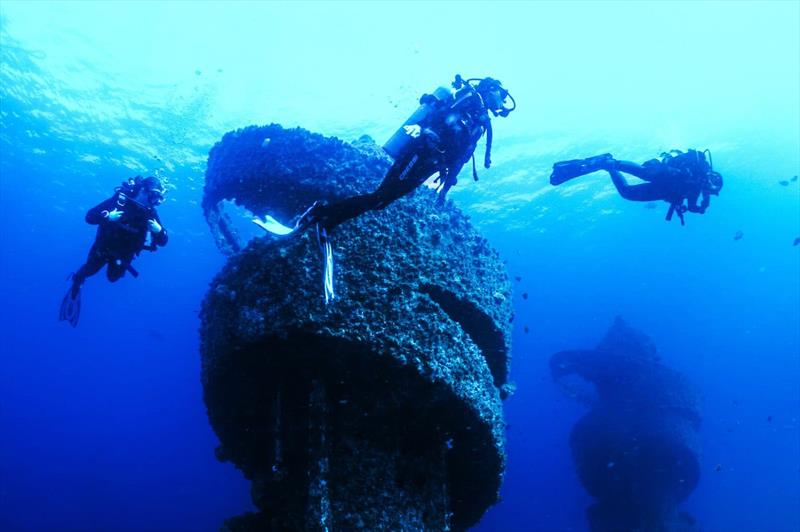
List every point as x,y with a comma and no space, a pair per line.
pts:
401,179
646,171
403,182
563,171
642,192
94,262
331,215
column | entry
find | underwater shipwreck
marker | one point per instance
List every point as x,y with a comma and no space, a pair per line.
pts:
636,449
381,411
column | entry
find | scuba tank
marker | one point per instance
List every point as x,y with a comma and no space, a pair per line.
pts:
692,161
398,144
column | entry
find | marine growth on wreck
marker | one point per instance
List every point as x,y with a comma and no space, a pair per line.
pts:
635,450
381,411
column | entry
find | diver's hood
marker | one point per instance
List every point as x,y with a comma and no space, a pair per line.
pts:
152,183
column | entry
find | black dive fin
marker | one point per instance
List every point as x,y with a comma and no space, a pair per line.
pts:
565,170
71,306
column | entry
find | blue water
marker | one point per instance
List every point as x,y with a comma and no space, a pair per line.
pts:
103,427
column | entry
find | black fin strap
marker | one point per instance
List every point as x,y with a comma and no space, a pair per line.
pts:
487,156
474,170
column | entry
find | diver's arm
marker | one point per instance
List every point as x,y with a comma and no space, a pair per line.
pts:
96,215
692,205
160,238
448,182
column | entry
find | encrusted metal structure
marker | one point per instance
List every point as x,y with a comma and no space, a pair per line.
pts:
636,450
381,411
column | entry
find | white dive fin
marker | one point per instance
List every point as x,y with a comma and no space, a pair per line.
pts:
329,295
271,225
327,257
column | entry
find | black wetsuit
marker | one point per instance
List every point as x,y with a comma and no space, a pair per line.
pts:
118,243
670,183
447,141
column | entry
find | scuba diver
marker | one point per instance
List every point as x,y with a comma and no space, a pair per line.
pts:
685,180
124,223
440,137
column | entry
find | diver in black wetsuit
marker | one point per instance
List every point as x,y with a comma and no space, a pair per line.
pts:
440,137
124,222
684,180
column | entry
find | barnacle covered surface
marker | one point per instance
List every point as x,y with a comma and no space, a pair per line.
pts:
382,410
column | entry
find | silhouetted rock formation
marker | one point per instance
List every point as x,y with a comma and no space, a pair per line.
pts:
382,410
636,449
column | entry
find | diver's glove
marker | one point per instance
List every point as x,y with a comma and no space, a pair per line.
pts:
112,216
154,226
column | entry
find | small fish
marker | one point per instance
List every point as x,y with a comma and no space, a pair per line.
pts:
524,295
793,179
517,278
511,319
783,183
738,236
796,241
651,205
718,468
769,419
526,329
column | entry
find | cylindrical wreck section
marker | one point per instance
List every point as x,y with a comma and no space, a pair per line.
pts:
382,410
636,450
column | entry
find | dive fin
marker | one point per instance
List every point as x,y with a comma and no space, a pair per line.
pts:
565,170
71,306
327,257
271,225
